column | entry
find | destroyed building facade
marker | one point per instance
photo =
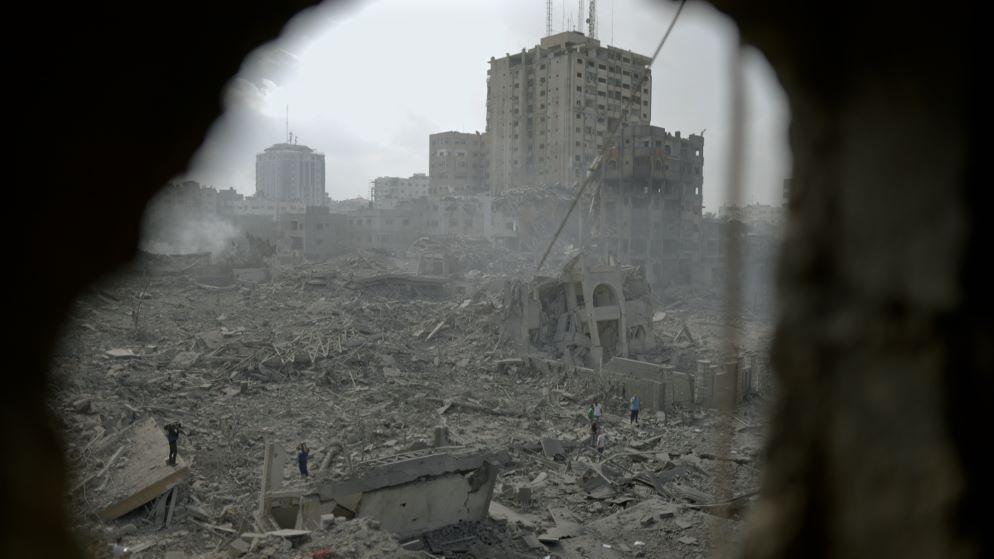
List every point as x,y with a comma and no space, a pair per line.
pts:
550,108
648,210
589,313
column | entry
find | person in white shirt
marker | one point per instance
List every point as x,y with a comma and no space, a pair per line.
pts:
598,412
601,441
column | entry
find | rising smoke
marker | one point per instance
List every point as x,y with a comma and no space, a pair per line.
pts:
177,221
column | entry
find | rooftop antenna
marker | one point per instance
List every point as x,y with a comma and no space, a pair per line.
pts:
579,16
548,18
288,123
592,20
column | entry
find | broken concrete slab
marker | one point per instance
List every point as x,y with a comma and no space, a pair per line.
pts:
500,512
404,468
632,516
251,275
184,360
239,547
553,448
143,475
407,494
433,502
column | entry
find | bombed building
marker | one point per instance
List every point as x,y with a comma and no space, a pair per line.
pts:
648,208
481,361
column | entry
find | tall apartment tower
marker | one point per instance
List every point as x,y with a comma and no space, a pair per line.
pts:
550,108
290,172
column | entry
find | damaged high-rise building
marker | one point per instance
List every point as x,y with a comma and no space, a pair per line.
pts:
550,108
647,211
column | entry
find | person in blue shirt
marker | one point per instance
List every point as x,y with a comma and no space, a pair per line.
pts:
636,406
302,455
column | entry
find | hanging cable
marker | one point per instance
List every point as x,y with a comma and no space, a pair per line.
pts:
611,137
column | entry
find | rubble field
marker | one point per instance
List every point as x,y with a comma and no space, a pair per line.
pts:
363,370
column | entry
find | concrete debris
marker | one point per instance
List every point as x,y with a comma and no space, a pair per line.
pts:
446,419
184,360
141,474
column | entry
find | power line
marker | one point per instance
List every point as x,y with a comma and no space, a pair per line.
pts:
612,136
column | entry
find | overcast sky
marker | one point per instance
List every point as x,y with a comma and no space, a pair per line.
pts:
367,81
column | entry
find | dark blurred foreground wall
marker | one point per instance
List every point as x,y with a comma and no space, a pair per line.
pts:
884,344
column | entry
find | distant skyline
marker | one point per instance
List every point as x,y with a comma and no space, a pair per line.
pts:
368,81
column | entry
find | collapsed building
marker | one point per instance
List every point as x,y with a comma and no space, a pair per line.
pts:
586,315
409,494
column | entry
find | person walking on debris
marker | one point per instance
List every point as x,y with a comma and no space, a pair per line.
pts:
597,412
593,433
590,412
173,431
601,441
302,454
636,406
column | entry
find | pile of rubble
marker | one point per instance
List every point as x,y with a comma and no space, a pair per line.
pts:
320,354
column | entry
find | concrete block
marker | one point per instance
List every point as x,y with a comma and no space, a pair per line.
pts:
143,474
309,513
415,508
238,548
440,437
184,360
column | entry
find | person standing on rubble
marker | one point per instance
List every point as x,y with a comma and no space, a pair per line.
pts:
601,441
593,433
303,453
173,431
598,412
635,407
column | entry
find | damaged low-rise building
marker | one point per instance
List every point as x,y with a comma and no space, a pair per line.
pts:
587,314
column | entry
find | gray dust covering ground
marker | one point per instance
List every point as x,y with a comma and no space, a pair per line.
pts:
360,373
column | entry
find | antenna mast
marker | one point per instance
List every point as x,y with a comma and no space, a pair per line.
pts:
288,123
579,16
592,20
548,18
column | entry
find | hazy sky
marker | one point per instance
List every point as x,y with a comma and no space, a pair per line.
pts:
367,81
